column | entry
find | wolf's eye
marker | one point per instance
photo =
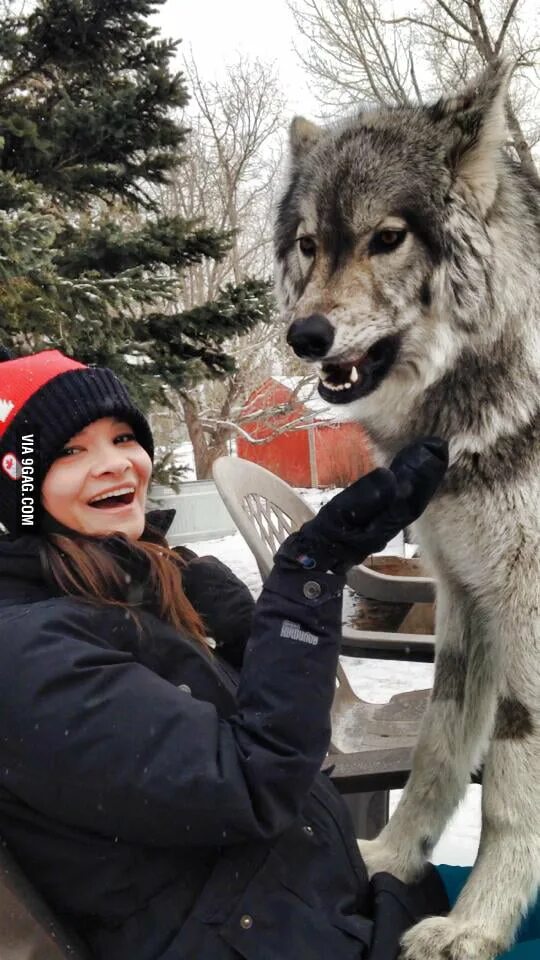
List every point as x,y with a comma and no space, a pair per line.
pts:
307,246
386,240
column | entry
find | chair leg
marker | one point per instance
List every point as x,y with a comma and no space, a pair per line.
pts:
369,812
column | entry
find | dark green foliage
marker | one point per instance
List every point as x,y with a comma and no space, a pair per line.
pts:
87,95
89,129
180,342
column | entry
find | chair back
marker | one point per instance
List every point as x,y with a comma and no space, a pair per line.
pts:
28,928
264,508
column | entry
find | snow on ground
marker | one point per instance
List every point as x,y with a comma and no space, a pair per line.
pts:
375,680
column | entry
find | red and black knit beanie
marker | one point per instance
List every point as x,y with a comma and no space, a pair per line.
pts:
45,399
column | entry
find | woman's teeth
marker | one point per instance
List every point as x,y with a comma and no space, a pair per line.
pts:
123,492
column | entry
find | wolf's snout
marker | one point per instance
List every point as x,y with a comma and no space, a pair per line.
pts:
311,337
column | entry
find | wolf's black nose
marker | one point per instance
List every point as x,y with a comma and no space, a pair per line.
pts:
311,337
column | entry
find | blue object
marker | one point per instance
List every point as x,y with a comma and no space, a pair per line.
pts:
527,946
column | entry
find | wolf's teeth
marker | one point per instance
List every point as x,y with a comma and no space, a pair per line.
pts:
347,385
336,386
354,375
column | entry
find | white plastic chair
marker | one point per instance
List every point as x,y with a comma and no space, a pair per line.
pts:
266,510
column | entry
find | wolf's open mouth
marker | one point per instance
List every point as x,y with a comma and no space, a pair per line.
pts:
347,381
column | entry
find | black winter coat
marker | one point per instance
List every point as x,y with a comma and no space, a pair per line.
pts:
167,812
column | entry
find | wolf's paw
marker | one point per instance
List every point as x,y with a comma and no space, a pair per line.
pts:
442,938
380,857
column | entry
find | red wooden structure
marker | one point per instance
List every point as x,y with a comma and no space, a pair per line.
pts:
320,453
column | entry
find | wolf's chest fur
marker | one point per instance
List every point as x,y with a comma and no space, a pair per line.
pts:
482,531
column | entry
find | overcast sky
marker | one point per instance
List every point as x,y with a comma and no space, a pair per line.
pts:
217,31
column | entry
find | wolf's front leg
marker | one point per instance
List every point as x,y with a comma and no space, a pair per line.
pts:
461,709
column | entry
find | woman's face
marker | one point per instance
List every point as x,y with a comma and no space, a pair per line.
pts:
103,459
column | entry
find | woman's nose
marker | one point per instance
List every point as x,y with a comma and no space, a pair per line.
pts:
112,461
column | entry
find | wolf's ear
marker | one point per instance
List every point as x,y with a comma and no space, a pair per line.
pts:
303,135
477,130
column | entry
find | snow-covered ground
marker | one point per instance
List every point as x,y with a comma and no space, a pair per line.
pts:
375,680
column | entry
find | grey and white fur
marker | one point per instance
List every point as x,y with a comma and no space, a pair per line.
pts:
408,263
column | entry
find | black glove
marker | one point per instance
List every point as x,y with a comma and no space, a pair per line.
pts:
364,517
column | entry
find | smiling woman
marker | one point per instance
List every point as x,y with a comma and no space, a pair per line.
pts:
164,804
99,480
93,458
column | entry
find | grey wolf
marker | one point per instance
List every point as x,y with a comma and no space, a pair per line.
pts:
407,249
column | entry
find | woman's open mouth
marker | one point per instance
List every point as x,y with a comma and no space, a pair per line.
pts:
121,498
343,382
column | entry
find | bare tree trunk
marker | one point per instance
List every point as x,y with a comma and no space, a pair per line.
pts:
199,439
209,442
519,142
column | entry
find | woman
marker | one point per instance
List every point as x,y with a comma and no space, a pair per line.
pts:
165,806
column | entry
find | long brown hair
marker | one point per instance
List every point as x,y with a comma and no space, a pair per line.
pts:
86,568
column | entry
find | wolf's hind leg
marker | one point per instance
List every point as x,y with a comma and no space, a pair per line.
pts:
457,720
506,875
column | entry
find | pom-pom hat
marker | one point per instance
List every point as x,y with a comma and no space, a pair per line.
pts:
45,399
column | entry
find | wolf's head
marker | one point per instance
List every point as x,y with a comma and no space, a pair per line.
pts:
383,243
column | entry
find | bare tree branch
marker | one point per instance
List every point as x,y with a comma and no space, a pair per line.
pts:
417,21
453,16
300,423
414,80
480,29
505,25
354,50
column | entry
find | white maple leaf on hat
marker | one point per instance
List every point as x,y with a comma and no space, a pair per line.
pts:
6,406
11,466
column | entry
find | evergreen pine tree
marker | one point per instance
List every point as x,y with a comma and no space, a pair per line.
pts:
89,130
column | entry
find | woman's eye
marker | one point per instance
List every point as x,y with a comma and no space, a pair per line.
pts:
122,437
387,240
307,246
68,451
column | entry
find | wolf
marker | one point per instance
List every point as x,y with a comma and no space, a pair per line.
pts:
407,247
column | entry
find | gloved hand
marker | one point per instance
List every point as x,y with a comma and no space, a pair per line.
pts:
365,516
